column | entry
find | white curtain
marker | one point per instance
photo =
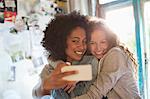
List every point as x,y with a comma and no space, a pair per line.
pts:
87,7
99,12
79,5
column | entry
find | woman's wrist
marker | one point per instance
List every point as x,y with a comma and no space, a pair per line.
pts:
40,92
44,91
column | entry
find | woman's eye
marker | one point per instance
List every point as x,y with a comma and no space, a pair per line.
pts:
75,41
103,42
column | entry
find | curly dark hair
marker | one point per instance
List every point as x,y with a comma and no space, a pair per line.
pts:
58,29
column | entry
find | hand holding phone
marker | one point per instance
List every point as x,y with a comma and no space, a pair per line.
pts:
84,72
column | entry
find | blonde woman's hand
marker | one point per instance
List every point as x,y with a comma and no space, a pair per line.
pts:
70,86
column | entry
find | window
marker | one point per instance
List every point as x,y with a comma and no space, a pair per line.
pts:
147,44
122,22
127,23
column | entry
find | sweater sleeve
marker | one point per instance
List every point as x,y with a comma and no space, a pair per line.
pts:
113,66
46,71
49,68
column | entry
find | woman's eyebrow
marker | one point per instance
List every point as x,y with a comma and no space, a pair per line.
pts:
76,37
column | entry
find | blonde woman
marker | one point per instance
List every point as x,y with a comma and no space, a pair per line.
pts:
117,71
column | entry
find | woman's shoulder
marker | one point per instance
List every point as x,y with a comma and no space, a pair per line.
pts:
116,50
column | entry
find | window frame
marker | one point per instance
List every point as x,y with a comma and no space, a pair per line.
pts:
139,36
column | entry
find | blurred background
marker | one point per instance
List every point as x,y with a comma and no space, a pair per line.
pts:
21,30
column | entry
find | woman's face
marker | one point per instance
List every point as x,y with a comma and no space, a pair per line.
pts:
76,44
98,43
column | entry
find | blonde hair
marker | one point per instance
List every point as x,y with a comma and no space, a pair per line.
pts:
111,37
130,55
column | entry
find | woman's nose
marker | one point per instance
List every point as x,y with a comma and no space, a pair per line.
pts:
82,46
98,47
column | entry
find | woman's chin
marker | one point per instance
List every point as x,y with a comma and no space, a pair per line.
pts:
98,57
78,58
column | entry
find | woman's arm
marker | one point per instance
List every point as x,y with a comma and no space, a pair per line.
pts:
113,66
38,91
51,79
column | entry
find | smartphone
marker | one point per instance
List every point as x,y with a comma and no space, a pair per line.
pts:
84,72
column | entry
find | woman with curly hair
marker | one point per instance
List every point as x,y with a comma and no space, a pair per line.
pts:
65,39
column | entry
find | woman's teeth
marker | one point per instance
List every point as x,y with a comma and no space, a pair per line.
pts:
78,52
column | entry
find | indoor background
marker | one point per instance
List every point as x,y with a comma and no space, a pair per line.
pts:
21,30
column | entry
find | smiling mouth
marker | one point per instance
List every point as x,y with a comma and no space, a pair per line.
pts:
102,52
79,52
99,53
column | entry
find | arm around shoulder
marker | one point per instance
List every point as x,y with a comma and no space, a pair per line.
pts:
112,67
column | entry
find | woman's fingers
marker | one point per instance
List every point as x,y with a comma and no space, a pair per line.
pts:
55,79
67,87
72,87
59,66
